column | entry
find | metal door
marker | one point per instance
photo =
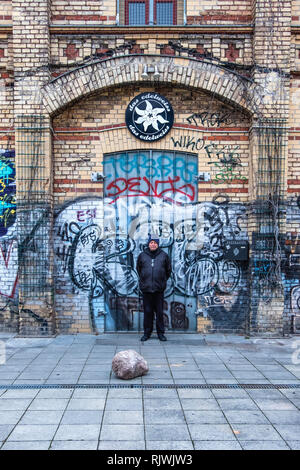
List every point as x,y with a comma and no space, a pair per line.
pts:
148,192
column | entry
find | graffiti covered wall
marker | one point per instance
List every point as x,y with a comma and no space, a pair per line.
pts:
96,263
292,260
8,241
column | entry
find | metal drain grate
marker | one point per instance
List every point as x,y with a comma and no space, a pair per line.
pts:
146,386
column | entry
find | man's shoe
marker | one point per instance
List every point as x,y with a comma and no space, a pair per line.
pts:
162,338
144,338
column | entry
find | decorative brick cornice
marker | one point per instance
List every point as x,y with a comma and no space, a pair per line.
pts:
146,31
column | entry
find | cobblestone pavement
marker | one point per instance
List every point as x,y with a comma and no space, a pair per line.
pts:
162,410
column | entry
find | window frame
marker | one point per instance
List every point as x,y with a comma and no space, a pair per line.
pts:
146,2
151,12
174,2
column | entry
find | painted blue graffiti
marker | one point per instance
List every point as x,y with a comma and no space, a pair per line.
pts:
158,166
7,191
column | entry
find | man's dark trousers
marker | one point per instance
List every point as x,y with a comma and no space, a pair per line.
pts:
153,302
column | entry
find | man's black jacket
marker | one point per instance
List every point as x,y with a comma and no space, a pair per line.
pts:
154,269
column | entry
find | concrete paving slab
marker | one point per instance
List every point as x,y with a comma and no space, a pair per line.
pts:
81,404
217,445
121,432
222,381
78,432
153,380
185,374
97,378
278,404
295,402
82,417
15,393
259,432
26,445
5,430
121,445
167,432
241,367
10,417
41,417
86,393
289,432
124,404
178,367
217,375
283,417
124,393
266,394
164,417
246,417
47,404
248,375
123,417
237,404
205,417
294,445
169,445
195,393
280,377
211,432
291,394
74,445
55,393
7,404
199,404
160,393
264,445
189,381
233,394
8,375
33,432
29,382
162,403
254,381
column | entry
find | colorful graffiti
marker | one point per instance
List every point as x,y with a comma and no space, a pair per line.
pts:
8,243
133,187
151,164
7,190
292,261
97,243
99,269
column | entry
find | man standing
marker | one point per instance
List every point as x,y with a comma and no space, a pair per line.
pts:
154,269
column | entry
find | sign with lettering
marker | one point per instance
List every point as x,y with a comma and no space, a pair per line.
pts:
149,116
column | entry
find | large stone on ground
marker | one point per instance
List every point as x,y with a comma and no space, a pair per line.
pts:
129,364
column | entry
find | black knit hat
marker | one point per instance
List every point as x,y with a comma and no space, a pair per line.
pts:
154,238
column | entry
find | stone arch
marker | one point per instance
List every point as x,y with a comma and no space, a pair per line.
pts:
184,72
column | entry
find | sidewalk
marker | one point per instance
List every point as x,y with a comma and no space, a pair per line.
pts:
83,408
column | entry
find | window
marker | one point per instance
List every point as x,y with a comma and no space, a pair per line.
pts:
164,12
136,12
151,12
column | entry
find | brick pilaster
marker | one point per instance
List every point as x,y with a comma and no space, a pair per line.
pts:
31,52
269,150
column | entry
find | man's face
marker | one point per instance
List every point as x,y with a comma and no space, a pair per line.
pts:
153,245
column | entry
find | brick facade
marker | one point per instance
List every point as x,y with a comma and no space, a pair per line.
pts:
68,72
